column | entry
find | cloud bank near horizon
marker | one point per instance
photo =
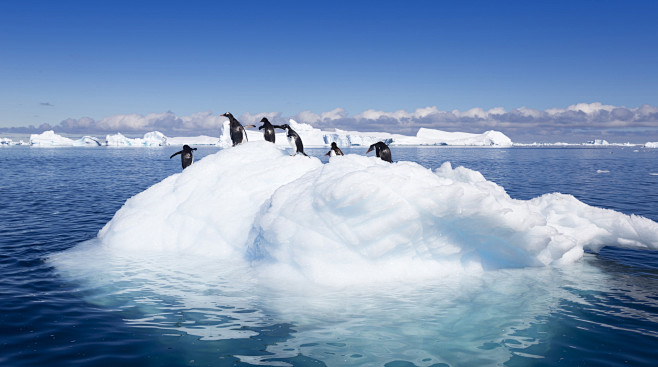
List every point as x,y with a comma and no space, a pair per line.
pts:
519,123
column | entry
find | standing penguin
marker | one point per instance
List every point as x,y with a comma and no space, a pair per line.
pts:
269,129
186,157
238,134
294,139
335,150
382,151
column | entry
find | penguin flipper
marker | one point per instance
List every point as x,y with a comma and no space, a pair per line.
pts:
177,153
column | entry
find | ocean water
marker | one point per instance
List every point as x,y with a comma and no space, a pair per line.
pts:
602,310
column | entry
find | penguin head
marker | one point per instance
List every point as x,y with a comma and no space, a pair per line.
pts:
372,146
187,148
264,119
333,145
228,114
285,126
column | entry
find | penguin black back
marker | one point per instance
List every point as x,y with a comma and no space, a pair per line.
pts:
269,130
294,139
237,132
186,157
335,150
382,151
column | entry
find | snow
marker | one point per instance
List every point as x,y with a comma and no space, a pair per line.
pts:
6,142
151,139
357,220
50,139
598,142
311,137
192,140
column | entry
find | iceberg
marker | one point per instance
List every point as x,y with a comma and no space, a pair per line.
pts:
651,144
314,137
151,139
50,139
598,142
193,140
358,220
438,137
6,142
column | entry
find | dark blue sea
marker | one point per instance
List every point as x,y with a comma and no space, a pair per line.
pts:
600,311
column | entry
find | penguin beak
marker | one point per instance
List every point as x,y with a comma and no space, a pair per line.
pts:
369,149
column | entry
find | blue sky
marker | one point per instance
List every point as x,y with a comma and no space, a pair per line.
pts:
95,59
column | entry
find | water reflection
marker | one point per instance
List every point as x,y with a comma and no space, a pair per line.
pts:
488,318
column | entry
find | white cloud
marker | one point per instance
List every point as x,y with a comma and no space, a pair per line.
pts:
254,119
595,117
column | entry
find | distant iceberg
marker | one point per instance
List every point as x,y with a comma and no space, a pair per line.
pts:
651,144
598,142
152,139
50,139
311,137
6,142
314,137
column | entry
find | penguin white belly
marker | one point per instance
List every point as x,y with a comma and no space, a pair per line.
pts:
293,144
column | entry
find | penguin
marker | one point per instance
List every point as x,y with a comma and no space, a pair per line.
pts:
269,130
294,139
238,134
382,151
186,157
335,150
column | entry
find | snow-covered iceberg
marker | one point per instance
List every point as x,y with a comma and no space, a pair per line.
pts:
50,139
438,137
314,137
157,139
151,139
6,142
651,144
598,142
358,219
192,140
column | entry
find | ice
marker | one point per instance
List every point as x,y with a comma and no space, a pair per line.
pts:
193,140
359,219
313,137
7,142
50,139
598,142
438,137
395,261
209,207
151,139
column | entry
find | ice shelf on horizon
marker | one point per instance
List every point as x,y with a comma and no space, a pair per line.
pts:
312,137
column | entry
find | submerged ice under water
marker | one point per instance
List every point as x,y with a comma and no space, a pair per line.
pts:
369,262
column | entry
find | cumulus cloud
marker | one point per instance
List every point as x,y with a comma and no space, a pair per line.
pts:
587,119
579,121
167,122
